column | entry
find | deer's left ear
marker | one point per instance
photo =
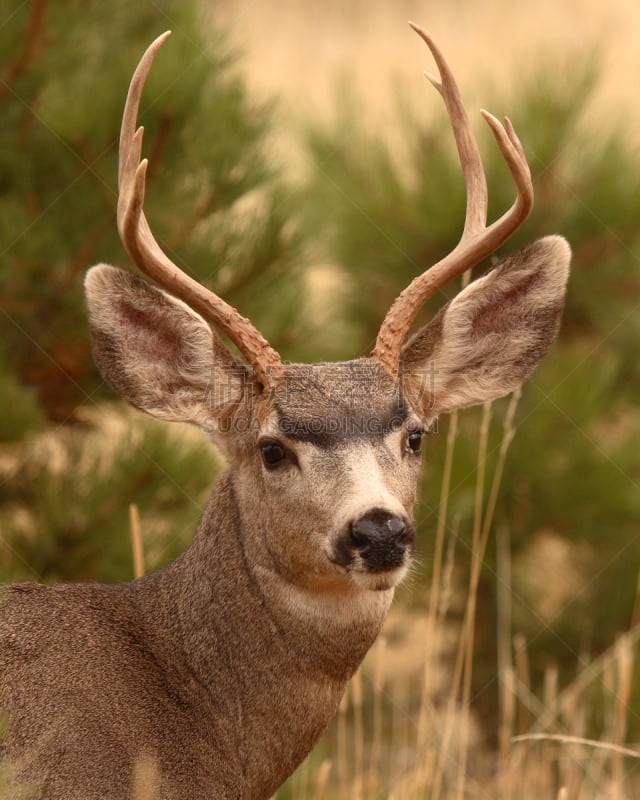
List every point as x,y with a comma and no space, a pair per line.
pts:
491,337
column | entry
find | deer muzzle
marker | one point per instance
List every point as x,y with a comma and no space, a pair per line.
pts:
377,541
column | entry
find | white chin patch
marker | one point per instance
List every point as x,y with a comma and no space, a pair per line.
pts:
378,581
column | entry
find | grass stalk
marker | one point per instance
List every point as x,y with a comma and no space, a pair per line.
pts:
342,761
432,637
505,667
322,780
477,555
358,737
378,696
524,677
136,541
625,664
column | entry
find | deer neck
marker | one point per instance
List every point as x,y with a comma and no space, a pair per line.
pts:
276,654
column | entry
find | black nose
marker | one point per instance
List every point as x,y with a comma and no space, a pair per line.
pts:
381,539
375,528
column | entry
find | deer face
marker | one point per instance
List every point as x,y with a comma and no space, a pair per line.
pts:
325,458
336,457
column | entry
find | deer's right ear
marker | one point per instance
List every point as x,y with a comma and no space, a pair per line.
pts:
157,352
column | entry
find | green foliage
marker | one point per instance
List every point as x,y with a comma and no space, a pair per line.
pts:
213,200
582,484
20,410
65,514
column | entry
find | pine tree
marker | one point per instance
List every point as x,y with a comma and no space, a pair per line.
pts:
214,201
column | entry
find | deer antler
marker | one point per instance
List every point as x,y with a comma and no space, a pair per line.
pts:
477,241
147,255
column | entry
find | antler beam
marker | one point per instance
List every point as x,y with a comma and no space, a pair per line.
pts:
148,256
477,241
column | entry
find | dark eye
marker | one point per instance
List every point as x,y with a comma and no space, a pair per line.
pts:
414,442
273,454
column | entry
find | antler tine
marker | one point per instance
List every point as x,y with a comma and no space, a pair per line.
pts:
147,254
468,152
477,240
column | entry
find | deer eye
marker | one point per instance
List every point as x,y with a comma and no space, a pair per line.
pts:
273,453
414,442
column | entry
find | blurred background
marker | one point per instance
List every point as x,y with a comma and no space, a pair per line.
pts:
302,167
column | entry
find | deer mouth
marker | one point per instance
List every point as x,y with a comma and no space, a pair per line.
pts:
379,580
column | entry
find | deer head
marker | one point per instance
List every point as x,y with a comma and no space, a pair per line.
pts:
325,457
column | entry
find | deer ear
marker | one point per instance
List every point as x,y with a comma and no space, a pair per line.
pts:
491,337
157,353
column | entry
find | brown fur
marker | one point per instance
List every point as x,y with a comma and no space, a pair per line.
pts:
192,667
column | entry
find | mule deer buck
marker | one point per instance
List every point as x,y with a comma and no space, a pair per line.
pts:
222,670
